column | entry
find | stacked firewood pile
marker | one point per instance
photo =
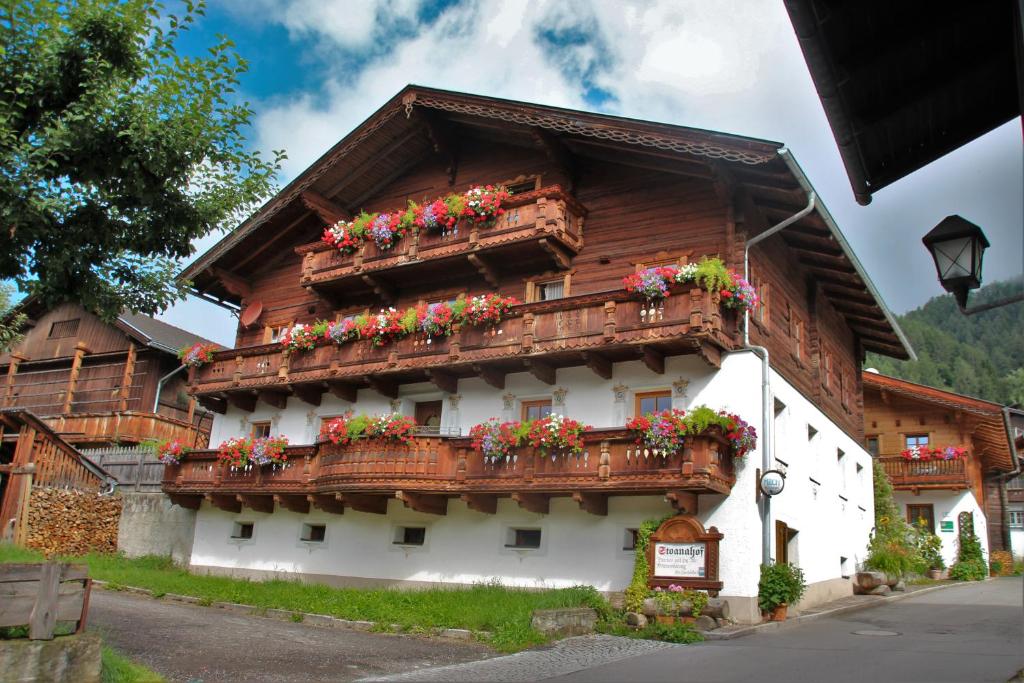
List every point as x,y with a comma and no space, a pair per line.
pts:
66,522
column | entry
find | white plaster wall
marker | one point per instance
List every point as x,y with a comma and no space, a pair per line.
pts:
948,505
1017,541
829,501
576,543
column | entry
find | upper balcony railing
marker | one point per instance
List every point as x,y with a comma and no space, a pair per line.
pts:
610,464
910,474
562,331
547,220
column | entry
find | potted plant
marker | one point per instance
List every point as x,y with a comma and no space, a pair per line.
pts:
780,586
930,548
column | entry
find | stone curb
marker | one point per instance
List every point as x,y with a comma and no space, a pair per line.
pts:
289,615
804,618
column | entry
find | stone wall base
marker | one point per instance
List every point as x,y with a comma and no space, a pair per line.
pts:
66,659
152,525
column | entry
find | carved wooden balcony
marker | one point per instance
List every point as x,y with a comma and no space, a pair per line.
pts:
126,427
593,330
912,475
540,227
431,470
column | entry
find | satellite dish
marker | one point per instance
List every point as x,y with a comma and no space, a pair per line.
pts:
251,313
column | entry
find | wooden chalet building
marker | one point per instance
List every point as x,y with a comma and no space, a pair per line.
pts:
595,198
909,427
96,384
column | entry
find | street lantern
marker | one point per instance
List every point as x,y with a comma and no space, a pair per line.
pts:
957,245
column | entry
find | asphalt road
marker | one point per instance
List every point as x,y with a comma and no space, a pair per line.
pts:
964,634
191,644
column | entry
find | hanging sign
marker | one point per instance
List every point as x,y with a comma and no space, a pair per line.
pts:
772,482
683,553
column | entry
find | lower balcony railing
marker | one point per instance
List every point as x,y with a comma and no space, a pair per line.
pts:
911,474
427,472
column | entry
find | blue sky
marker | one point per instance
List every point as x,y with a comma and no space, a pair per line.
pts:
319,67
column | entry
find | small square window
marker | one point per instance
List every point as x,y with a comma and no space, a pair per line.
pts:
314,533
555,289
871,445
653,402
242,530
527,539
410,535
63,328
535,410
917,440
629,537
260,430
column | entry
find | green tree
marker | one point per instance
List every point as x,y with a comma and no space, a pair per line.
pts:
11,323
115,151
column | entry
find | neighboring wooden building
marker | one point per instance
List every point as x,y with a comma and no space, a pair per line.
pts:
899,415
96,384
596,198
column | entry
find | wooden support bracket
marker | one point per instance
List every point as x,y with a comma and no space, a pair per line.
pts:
653,359
601,366
294,503
558,154
343,390
364,502
189,502
380,288
683,502
382,386
533,502
486,270
561,259
492,376
422,502
225,502
541,370
481,502
444,381
329,212
217,405
257,503
710,355
594,503
243,400
309,393
277,399
327,503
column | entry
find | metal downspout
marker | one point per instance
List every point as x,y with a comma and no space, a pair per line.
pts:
762,353
160,386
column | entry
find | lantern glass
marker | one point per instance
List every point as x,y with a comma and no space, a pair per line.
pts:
955,258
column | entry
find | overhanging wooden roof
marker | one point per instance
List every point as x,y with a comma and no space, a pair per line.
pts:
990,433
419,122
904,83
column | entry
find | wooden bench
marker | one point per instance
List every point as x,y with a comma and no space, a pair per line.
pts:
40,595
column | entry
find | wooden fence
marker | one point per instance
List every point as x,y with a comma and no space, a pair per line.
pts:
136,468
41,595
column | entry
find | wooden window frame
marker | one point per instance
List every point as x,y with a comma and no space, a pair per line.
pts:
917,435
640,395
663,258
536,178
799,340
270,328
259,423
878,444
64,329
533,286
307,535
516,534
525,406
912,519
828,367
762,312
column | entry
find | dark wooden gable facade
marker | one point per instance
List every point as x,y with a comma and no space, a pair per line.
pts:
95,383
622,195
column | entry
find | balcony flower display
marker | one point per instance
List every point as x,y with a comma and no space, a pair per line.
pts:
436,320
488,309
235,452
434,217
483,204
653,284
269,450
345,330
664,433
301,337
389,325
498,440
556,434
170,452
926,453
391,428
344,236
197,355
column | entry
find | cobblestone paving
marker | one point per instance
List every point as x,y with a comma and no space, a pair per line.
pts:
566,656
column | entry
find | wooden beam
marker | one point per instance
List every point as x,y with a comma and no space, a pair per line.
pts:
444,381
400,169
329,212
711,355
594,503
680,163
683,502
541,370
431,504
653,359
558,154
327,503
824,265
309,393
492,376
217,405
601,366
814,246
277,399
235,284
343,390
360,169
480,502
365,502
225,502
382,386
257,503
533,502
380,288
561,259
189,502
486,270
294,503
443,139
243,400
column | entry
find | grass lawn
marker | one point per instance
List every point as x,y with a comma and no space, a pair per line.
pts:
117,669
504,612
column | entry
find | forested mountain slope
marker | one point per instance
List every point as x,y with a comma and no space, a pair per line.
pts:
980,355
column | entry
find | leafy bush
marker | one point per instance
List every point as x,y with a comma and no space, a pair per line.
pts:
970,563
894,546
929,547
969,570
673,633
996,566
780,584
637,590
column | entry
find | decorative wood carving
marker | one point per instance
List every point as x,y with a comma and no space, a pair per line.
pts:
375,504
189,502
257,503
243,400
380,288
653,359
327,502
594,503
298,504
601,365
277,399
541,370
430,504
533,502
225,502
559,256
487,504
444,381
309,393
382,386
492,376
558,154
217,405
235,284
683,502
329,212
685,529
343,390
487,272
